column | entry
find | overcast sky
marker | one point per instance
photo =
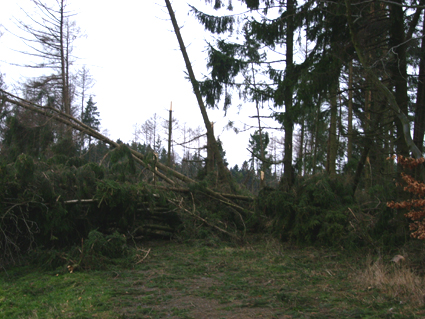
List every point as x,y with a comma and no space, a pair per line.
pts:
133,55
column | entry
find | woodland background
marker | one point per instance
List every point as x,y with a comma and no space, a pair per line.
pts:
342,81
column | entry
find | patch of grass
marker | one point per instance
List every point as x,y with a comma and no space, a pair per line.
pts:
266,279
28,293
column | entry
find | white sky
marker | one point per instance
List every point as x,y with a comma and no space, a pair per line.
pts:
133,55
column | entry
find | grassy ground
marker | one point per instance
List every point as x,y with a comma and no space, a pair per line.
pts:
262,280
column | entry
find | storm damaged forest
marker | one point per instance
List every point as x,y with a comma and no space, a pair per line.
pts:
341,167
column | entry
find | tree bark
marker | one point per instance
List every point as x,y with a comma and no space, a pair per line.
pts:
419,127
399,70
350,114
333,143
301,149
288,123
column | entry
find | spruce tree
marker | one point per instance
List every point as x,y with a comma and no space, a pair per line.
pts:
91,116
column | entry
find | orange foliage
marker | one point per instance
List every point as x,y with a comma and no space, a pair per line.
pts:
416,206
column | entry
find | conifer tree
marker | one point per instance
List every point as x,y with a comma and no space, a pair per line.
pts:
230,59
91,116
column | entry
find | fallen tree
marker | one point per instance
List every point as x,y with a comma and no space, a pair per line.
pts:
160,208
74,123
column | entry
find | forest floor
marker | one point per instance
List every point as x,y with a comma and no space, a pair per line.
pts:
263,279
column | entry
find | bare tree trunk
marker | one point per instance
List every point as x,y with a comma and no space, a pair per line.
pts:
419,128
260,133
170,130
64,56
223,171
288,123
315,137
333,146
210,161
301,148
399,69
350,114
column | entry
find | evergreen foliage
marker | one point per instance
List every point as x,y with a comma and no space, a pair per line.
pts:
19,138
57,203
91,115
315,211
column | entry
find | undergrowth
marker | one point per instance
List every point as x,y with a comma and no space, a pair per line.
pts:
313,211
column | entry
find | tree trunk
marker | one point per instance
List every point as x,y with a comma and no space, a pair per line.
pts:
288,123
64,56
260,133
315,136
399,69
170,130
210,160
301,149
419,127
333,145
350,114
223,171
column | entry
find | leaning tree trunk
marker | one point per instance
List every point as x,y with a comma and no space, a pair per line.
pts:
223,171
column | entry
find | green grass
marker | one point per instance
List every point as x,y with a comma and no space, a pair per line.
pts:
28,293
264,280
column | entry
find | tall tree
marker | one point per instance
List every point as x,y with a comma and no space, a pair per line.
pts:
50,37
229,59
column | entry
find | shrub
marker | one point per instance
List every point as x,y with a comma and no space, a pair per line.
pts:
416,204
